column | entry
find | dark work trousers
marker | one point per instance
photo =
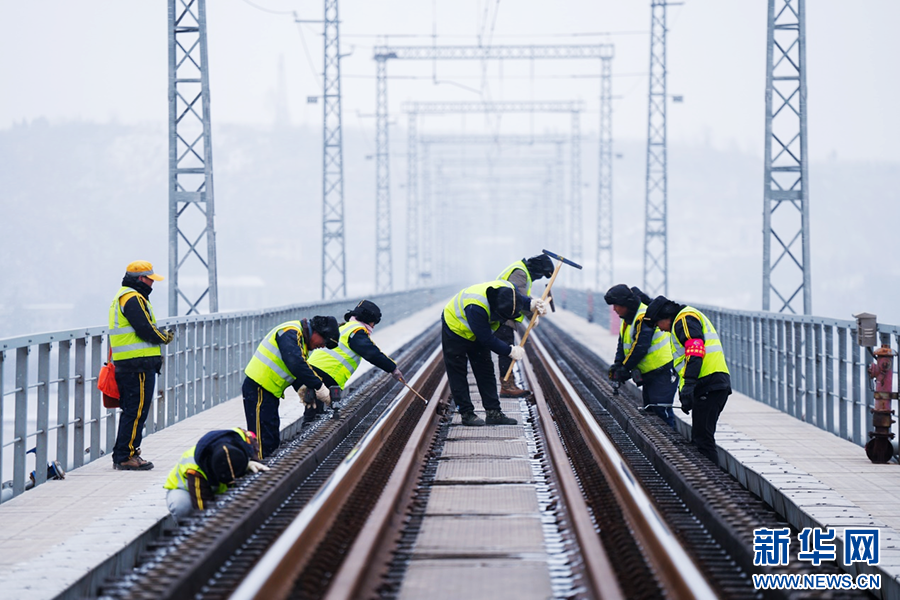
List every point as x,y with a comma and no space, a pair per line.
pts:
261,410
659,387
706,411
458,353
508,335
135,396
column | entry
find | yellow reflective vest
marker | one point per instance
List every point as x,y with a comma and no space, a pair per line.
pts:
267,366
454,312
341,362
714,359
660,351
519,264
123,339
177,478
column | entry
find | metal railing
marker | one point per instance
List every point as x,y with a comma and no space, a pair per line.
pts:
808,367
202,367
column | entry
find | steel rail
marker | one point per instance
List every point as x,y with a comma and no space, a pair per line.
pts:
274,575
672,564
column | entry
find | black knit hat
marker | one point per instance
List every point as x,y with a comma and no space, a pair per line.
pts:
228,462
502,301
661,308
366,311
327,327
539,266
622,295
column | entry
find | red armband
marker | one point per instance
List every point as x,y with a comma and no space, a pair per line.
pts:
695,347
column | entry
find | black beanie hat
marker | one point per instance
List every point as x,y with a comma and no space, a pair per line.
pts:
502,301
228,462
661,308
327,327
539,266
622,295
366,311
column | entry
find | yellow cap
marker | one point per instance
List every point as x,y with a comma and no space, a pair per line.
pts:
142,268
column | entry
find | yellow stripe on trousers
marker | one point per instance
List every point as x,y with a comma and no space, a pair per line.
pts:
259,399
142,377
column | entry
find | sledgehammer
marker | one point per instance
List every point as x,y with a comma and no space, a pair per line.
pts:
543,298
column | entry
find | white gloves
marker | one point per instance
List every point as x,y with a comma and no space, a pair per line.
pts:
517,353
302,393
255,467
538,306
323,395
397,374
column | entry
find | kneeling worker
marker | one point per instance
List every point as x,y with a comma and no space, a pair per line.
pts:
697,352
521,274
643,347
467,336
279,362
208,468
336,365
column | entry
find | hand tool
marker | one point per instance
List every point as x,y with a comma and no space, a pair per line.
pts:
403,381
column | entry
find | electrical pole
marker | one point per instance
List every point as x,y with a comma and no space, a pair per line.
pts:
604,183
191,206
656,245
786,195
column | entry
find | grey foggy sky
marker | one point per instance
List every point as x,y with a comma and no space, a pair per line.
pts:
106,60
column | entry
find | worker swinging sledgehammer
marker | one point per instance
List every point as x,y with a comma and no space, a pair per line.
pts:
544,299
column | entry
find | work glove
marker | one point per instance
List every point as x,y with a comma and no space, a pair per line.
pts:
169,335
617,372
255,467
397,374
517,353
302,393
538,306
687,398
323,395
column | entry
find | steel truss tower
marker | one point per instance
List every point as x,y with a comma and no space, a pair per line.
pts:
656,244
573,107
604,183
786,196
191,198
334,276
412,204
384,53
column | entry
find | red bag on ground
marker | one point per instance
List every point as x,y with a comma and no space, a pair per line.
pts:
106,383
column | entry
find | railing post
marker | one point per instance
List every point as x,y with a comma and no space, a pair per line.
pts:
42,437
830,395
96,408
21,423
780,368
62,403
845,403
78,446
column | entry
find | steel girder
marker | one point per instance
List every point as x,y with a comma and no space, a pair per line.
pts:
191,198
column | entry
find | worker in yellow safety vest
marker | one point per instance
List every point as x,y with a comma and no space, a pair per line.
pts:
135,341
278,363
336,365
700,362
643,352
522,274
468,324
208,468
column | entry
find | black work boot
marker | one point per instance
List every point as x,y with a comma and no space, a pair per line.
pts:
470,419
496,417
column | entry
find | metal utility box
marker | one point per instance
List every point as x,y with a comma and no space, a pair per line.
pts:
866,330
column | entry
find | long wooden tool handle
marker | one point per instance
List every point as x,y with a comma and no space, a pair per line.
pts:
412,389
534,318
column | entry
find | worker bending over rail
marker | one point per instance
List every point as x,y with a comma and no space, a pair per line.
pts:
208,468
643,352
468,324
698,357
521,274
335,366
279,362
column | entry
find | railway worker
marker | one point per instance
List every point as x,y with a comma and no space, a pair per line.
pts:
521,274
644,348
697,352
279,362
135,341
208,468
335,366
467,336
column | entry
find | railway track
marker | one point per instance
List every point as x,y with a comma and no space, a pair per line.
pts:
625,508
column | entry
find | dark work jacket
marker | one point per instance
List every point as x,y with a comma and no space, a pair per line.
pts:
137,313
481,326
292,355
715,381
362,344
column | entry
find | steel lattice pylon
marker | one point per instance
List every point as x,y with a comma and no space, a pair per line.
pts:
604,183
656,245
334,276
191,198
786,196
412,204
383,268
